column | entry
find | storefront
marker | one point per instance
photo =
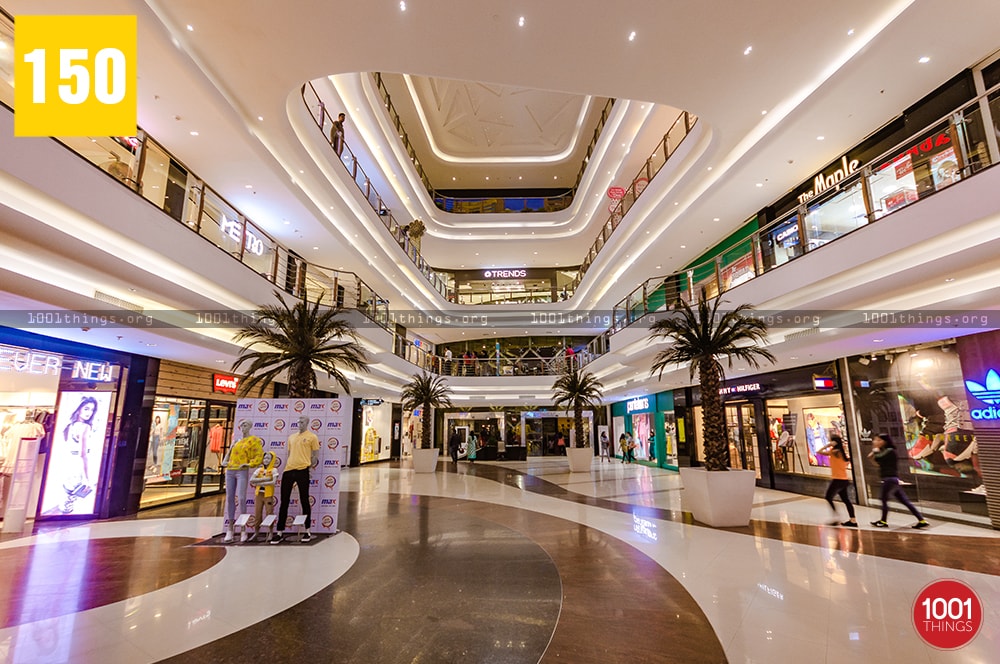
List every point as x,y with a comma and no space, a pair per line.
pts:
935,401
525,285
373,424
776,424
66,429
652,423
189,434
489,428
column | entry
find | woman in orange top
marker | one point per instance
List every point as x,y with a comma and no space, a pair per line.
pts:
840,479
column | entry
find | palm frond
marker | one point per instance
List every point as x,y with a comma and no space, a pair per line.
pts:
299,339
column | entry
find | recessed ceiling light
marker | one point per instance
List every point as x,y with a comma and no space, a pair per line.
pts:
151,345
949,279
763,112
659,267
924,60
684,246
760,184
301,171
631,36
477,253
190,27
821,138
715,218
676,203
536,253
248,186
452,178
317,248
877,341
794,357
747,50
260,118
850,33
221,361
520,21
402,5
709,168
555,177
194,133
487,177
519,177
287,222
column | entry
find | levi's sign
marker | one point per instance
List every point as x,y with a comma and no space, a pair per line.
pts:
225,384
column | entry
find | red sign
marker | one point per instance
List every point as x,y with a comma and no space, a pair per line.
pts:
823,383
616,193
225,384
947,614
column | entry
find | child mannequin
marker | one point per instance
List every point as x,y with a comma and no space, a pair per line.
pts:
263,481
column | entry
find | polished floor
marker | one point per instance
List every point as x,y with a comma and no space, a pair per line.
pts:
494,562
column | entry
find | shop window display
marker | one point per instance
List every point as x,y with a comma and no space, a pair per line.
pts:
799,428
918,397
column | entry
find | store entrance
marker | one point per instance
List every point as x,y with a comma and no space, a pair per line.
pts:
742,430
188,439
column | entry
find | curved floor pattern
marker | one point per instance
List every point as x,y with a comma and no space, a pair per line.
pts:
60,578
526,562
445,580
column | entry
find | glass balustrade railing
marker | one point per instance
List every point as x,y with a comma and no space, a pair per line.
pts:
678,131
947,151
147,168
487,204
411,247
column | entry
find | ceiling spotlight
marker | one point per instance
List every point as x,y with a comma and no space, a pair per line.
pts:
520,22
190,27
631,36
715,218
763,112
949,280
850,33
924,60
821,138
194,133
402,5
249,186
760,184
864,361
747,50
260,118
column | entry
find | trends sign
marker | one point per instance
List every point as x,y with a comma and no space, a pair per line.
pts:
989,393
505,274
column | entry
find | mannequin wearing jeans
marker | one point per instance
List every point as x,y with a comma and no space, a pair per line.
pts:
303,451
245,453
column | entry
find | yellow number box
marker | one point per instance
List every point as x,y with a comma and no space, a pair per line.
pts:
75,75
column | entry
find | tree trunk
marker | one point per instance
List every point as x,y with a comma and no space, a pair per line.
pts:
578,424
301,381
425,427
714,421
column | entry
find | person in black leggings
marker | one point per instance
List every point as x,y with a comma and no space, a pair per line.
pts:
840,479
884,453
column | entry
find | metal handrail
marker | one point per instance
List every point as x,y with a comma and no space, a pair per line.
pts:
663,291
346,157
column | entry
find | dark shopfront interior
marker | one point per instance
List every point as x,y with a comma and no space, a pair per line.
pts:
774,424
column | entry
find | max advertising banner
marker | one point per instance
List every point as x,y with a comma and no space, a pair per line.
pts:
274,420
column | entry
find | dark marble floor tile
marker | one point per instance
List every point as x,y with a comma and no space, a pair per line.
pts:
46,580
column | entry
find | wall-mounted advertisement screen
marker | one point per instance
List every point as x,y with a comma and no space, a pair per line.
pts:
75,460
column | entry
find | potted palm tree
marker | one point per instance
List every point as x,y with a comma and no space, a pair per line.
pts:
701,337
578,389
298,339
426,392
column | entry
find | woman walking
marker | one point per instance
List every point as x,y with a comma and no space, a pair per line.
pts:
840,480
884,453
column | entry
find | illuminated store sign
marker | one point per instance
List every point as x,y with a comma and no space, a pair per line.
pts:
225,384
505,274
824,383
639,403
100,372
739,389
989,393
234,229
23,360
823,182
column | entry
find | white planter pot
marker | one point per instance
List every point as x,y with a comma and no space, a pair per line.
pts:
425,461
719,499
580,459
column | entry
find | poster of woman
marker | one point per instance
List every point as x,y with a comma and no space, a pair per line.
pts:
74,465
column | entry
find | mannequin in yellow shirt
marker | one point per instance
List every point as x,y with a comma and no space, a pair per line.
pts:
246,453
263,481
303,453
